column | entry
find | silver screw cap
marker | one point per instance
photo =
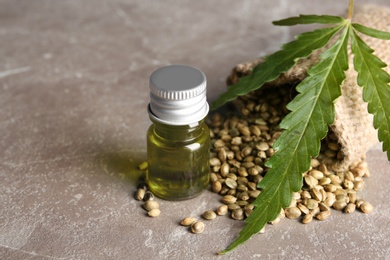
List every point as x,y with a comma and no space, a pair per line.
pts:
178,95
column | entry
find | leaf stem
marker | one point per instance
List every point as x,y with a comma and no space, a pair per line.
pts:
350,9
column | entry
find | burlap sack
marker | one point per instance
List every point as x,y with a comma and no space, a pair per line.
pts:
353,125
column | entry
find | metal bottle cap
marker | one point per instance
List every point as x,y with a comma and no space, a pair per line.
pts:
178,95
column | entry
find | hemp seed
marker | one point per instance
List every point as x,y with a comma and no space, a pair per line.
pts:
209,215
307,218
292,212
197,227
222,210
339,204
229,199
238,214
139,195
366,207
188,221
350,208
154,213
323,215
151,204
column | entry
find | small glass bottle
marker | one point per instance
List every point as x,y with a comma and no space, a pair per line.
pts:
178,141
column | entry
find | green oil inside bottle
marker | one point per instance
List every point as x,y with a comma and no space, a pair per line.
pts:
178,160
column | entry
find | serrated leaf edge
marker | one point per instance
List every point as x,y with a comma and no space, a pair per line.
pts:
383,134
309,19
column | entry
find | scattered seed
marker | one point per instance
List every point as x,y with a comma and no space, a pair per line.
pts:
350,208
151,204
139,195
222,210
366,207
188,221
323,215
197,227
238,214
154,213
209,215
307,218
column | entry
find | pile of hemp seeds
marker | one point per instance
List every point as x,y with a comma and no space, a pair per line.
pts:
241,144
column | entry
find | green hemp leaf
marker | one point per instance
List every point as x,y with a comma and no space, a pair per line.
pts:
279,62
375,82
312,110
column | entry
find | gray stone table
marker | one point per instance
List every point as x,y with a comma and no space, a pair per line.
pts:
73,96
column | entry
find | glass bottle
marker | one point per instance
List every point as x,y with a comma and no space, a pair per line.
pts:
178,141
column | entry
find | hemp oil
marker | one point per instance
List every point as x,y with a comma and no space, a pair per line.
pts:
178,141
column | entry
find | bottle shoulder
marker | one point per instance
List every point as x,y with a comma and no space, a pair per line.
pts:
179,136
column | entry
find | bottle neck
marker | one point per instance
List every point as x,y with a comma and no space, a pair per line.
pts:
178,133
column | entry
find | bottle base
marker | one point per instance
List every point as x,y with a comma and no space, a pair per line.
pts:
168,193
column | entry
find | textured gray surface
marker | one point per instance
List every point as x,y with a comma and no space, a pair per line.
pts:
73,84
